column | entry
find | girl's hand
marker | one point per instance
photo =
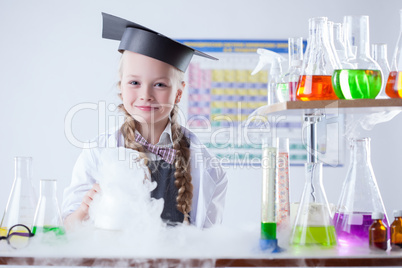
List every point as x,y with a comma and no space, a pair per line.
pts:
88,198
82,212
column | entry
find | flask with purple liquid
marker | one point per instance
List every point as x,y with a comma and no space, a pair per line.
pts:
360,197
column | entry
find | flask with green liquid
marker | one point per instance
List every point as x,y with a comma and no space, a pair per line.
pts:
313,224
360,76
47,215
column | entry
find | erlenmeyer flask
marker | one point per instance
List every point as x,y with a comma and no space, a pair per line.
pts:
360,197
394,83
47,215
313,224
379,53
318,65
22,200
360,77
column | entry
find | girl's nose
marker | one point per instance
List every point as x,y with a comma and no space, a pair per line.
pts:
146,93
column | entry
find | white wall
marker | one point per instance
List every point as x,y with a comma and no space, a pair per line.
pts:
52,57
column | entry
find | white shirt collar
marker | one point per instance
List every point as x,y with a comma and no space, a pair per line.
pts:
165,140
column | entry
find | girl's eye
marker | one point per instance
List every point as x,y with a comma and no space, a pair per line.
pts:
160,85
134,83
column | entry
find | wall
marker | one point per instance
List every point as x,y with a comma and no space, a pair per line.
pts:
53,58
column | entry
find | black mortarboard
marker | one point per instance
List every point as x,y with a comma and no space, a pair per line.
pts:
139,39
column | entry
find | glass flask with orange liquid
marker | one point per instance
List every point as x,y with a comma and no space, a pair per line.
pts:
360,76
394,84
22,200
319,63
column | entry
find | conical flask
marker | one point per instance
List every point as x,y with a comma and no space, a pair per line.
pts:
360,76
313,225
47,215
318,65
394,83
360,197
22,200
379,53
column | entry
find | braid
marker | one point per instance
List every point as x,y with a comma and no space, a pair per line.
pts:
182,164
128,131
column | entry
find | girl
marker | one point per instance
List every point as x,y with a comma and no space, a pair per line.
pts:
189,179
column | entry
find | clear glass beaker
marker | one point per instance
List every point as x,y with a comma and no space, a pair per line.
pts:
295,48
379,54
394,82
360,197
268,208
313,225
22,200
47,215
318,65
360,77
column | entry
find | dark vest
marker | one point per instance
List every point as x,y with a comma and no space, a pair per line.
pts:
163,174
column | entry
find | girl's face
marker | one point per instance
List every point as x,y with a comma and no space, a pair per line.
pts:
149,88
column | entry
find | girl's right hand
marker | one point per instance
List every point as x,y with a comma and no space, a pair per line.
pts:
88,198
82,212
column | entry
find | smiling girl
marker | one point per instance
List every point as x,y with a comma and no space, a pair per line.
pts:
188,177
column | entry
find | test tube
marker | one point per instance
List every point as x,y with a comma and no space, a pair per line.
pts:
268,208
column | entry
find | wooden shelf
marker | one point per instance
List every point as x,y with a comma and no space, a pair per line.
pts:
332,106
269,261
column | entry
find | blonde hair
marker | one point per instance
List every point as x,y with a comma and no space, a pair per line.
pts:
180,144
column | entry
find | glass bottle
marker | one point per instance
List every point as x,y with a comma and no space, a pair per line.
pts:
295,51
22,200
360,77
378,234
318,65
313,224
394,83
360,197
379,53
47,215
396,231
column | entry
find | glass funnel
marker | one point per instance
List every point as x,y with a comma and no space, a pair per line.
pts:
379,53
360,197
47,215
313,224
22,200
360,76
394,83
318,65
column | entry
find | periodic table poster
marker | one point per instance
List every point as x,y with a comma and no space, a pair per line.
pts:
223,94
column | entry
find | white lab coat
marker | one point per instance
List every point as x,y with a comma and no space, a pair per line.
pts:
208,179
